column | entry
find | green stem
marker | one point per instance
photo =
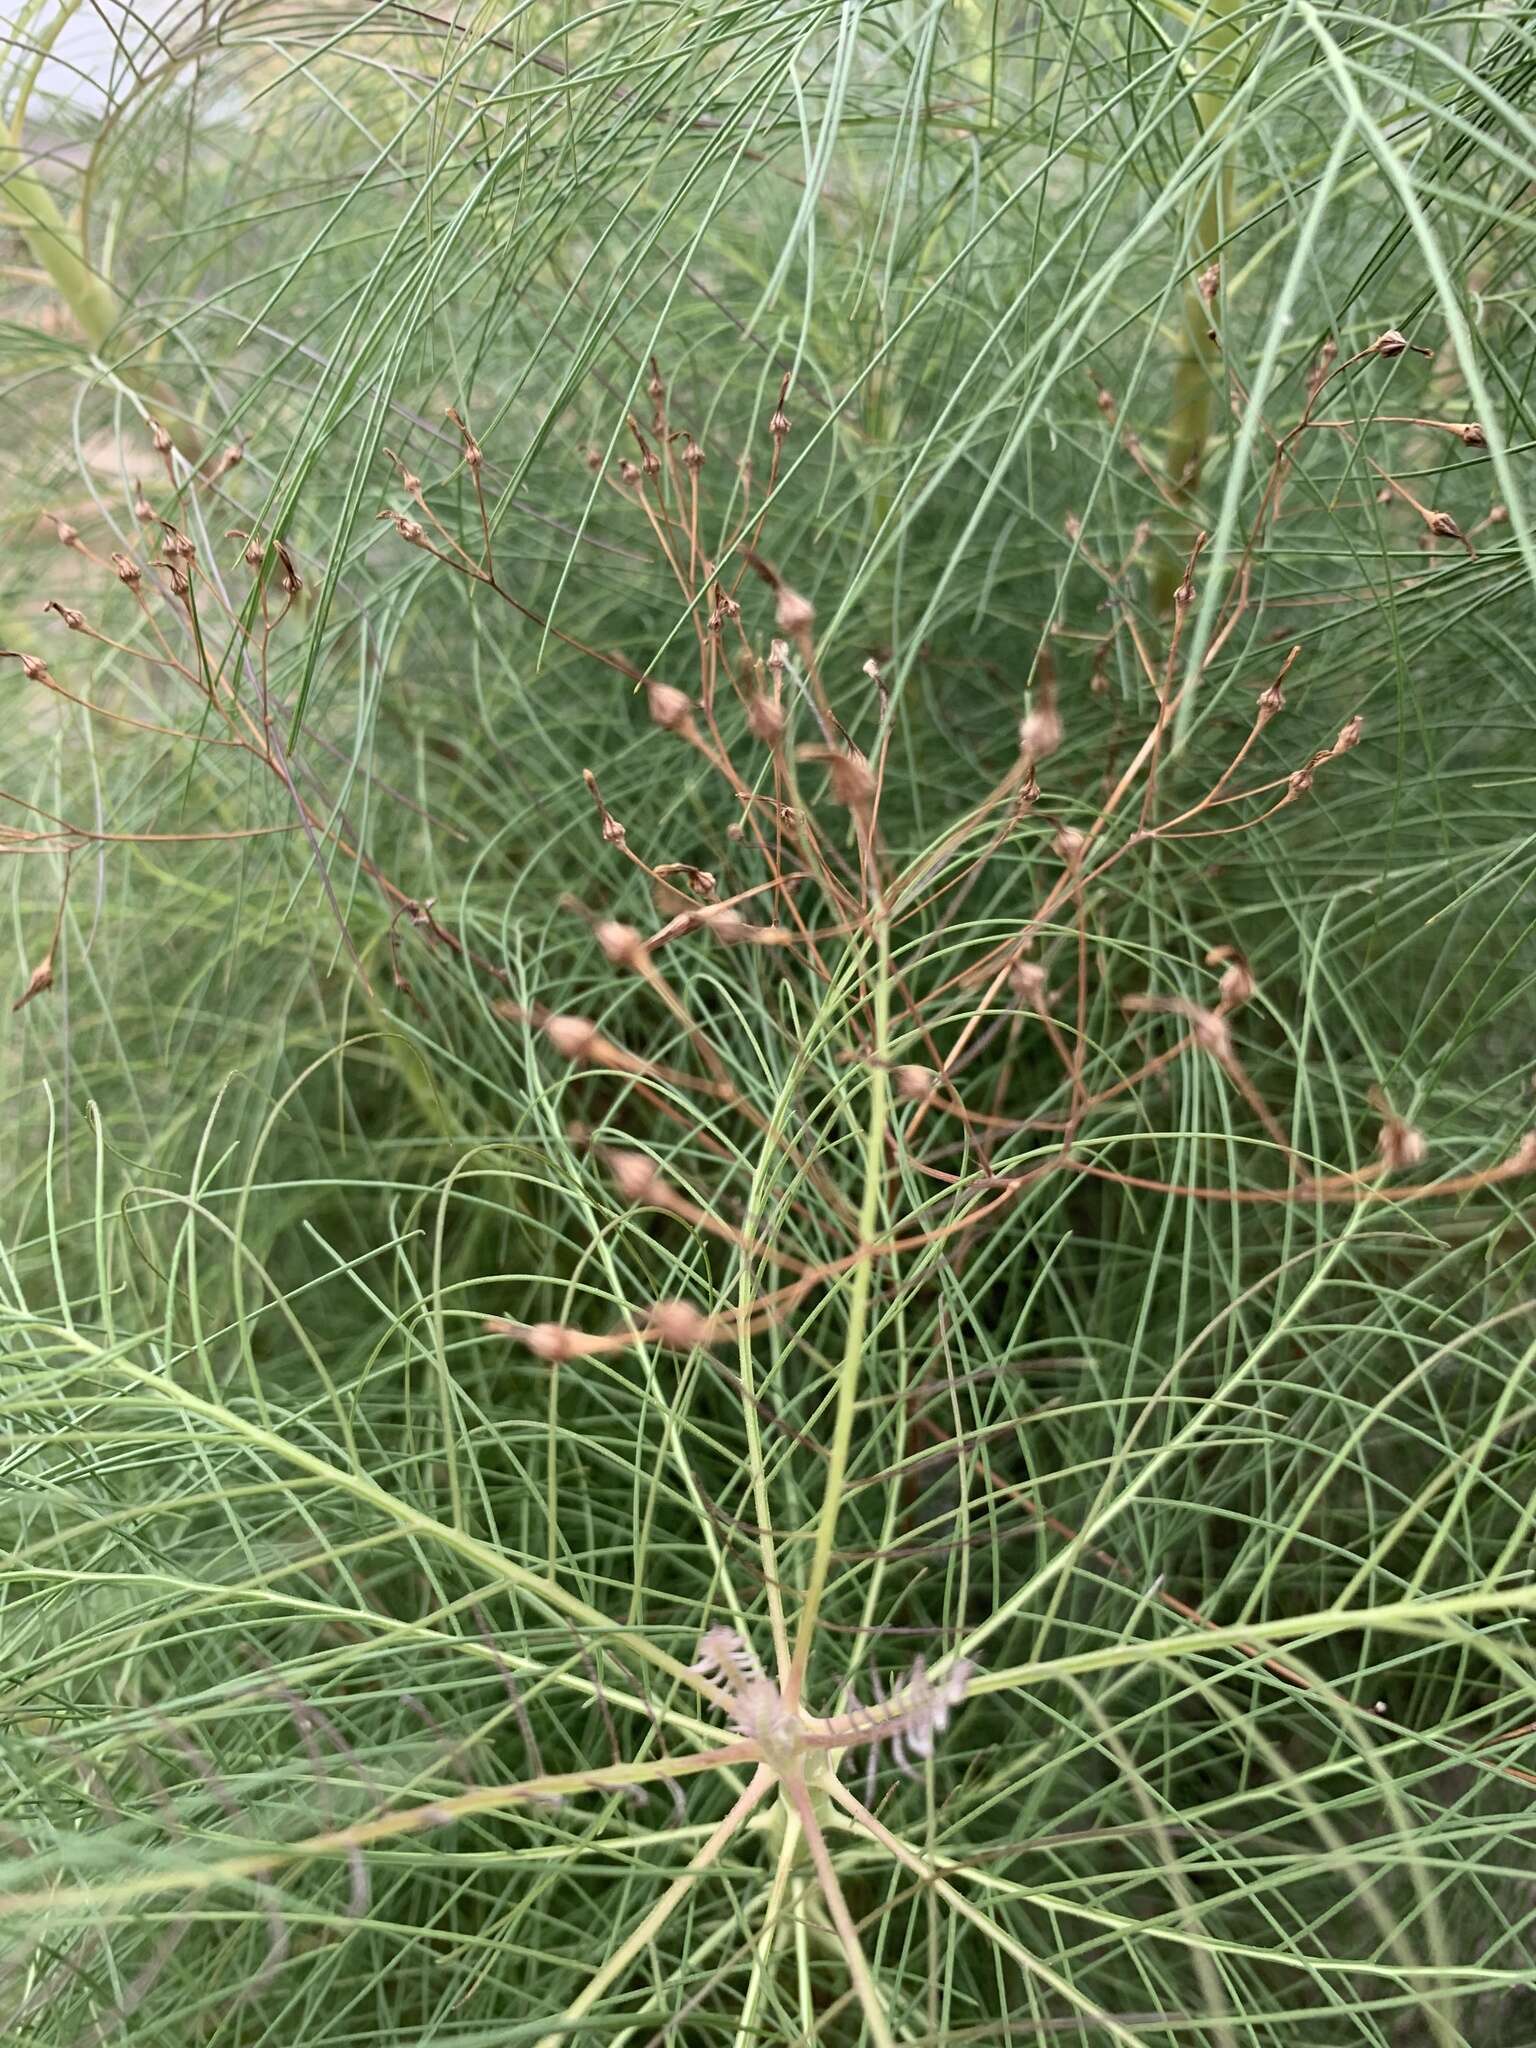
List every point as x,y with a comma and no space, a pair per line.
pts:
858,1307
1196,367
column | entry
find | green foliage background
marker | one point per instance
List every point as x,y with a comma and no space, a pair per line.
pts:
280,1520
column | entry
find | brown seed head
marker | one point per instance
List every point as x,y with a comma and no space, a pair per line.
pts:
679,1325
725,923
1040,732
1349,735
1443,524
409,529
765,720
38,982
852,780
1069,844
1027,980
621,943
1211,1033
778,655
553,1342
1472,435
638,1181
68,536
143,511
73,619
693,455
914,1083
574,1038
793,613
1237,985
671,709
128,571
1400,1145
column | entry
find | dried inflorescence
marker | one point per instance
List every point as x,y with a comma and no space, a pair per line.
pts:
910,1718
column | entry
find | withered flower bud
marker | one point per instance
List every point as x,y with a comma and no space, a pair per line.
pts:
594,459
914,1083
679,1325
73,619
68,536
724,922
1349,735
553,1342
1400,1146
574,1038
1027,980
1069,844
1498,515
778,655
1472,434
1237,985
671,709
1208,283
409,529
289,578
1211,1033
628,472
638,1180
160,438
621,943
38,982
1040,732
793,613
32,666
1392,343
128,571
852,780
765,720
693,455
143,511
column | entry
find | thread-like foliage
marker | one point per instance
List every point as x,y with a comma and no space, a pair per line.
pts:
766,1271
